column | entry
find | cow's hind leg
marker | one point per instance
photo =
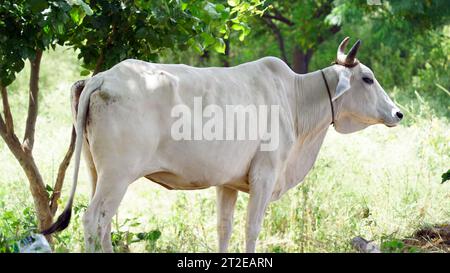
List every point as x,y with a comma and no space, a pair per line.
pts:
97,219
92,171
226,201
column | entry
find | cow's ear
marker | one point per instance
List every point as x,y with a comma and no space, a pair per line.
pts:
343,84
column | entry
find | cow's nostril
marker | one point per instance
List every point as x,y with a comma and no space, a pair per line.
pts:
399,115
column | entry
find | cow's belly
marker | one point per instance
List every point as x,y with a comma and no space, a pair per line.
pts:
190,165
173,181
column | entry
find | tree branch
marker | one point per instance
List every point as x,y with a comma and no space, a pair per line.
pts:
28,139
101,57
279,37
99,64
226,57
61,174
9,125
324,9
279,17
333,30
2,127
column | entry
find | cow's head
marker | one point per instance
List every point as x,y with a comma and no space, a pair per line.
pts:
360,99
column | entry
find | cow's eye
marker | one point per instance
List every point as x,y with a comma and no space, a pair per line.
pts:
367,80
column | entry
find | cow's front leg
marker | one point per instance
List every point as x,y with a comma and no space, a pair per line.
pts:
226,201
262,182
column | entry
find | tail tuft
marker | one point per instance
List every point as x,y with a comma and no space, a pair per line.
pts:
60,224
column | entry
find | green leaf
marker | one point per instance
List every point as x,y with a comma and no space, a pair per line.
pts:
38,5
233,3
236,27
141,33
184,6
60,28
198,47
85,72
208,39
46,29
220,7
86,8
77,15
211,9
48,188
154,235
220,46
446,176
242,36
28,53
18,65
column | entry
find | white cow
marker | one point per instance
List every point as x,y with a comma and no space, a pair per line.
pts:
127,133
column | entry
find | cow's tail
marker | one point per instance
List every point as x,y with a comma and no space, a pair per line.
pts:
93,84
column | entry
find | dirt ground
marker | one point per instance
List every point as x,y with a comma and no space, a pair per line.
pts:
430,239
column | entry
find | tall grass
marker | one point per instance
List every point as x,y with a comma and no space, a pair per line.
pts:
379,183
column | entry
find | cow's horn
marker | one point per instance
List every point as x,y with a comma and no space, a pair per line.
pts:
350,59
341,50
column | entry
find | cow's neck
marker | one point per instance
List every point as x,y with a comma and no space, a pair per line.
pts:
313,118
313,103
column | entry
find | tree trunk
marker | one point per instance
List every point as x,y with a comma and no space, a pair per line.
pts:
38,191
226,56
204,58
23,151
99,64
301,60
37,187
279,36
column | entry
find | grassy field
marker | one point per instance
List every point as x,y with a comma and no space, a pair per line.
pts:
380,184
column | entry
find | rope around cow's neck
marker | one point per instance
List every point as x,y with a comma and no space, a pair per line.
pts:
329,96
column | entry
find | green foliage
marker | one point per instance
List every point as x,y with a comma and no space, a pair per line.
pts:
122,237
15,226
309,22
143,29
308,16
392,246
24,28
27,26
402,16
107,32
445,176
